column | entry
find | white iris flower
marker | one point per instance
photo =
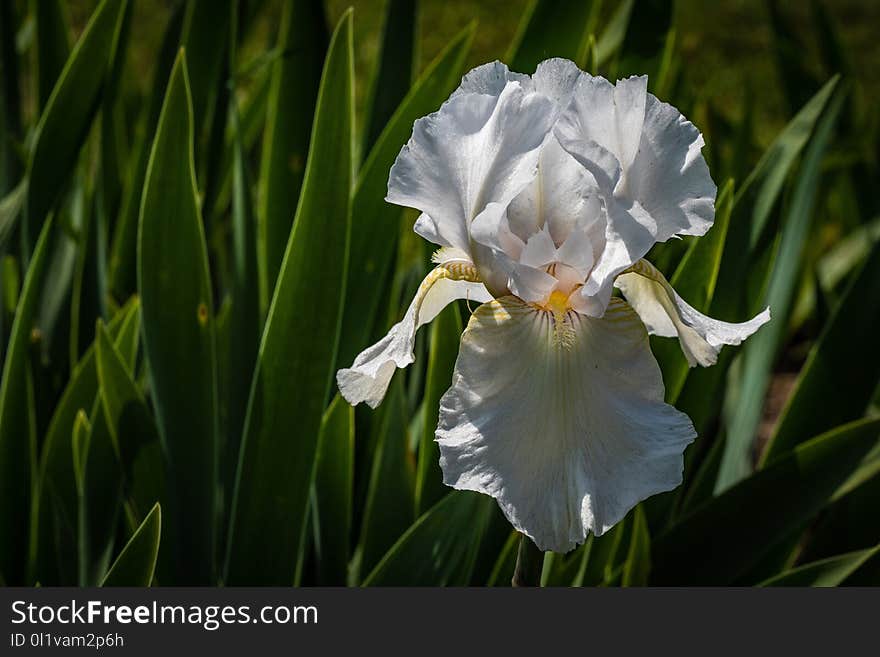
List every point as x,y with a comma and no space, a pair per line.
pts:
544,193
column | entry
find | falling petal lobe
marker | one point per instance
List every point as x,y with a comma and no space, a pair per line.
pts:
370,374
667,314
560,419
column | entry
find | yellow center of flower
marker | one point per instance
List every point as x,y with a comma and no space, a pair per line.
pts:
557,303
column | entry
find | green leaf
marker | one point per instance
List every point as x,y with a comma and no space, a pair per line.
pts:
391,484
244,318
100,501
834,267
334,490
136,563
753,205
553,28
832,571
10,210
702,549
122,260
292,378
612,36
760,351
445,337
82,430
111,443
10,103
798,84
80,448
54,512
53,44
502,571
439,549
17,425
178,328
65,122
637,567
128,418
646,41
205,36
758,195
567,569
818,401
73,218
394,68
375,224
293,93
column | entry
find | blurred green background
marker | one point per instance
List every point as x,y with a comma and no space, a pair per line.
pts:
191,245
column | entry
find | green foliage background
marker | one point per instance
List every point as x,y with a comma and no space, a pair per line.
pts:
193,238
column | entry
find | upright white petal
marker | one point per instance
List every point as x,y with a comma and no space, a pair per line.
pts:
603,124
561,419
490,79
479,149
667,314
370,374
557,78
562,196
646,158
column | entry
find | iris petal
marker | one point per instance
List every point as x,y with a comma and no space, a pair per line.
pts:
370,374
667,314
562,420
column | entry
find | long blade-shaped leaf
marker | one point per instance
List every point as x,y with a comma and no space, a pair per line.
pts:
136,563
760,351
553,28
440,547
10,103
53,514
178,327
292,95
65,121
703,548
819,401
391,484
53,44
334,488
293,377
752,208
394,69
17,431
832,571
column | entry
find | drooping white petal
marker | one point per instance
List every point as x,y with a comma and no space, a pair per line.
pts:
478,149
370,374
563,423
667,314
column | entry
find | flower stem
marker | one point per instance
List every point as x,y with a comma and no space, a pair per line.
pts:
529,564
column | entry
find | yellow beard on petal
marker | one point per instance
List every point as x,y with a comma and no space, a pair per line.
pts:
558,305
